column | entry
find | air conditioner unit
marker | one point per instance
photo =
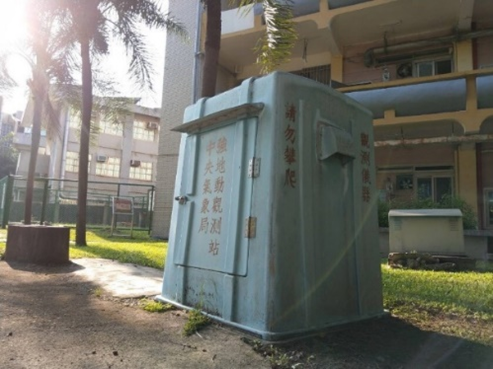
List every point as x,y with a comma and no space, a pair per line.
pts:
101,158
135,163
152,125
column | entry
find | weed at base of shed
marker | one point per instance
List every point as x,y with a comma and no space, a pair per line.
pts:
196,321
153,306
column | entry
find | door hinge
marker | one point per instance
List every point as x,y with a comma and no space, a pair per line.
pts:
254,168
250,227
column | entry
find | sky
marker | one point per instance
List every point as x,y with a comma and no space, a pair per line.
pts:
115,65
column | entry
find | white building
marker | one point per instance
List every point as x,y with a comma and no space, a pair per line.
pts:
122,159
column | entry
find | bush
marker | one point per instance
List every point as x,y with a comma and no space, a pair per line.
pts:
469,219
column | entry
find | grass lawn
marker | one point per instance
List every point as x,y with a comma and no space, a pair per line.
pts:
457,304
141,249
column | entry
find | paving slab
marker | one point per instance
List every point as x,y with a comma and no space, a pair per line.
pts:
119,279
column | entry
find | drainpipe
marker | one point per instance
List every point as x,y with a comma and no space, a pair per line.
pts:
197,55
369,56
479,184
64,149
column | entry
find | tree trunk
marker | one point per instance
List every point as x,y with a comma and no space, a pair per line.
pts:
212,46
80,234
35,138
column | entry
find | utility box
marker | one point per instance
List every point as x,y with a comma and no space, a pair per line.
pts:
438,231
274,229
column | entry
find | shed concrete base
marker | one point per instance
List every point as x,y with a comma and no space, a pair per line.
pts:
37,244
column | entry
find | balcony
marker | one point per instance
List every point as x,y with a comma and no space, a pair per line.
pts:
235,20
455,106
23,140
345,27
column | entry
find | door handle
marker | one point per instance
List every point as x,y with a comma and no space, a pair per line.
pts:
182,200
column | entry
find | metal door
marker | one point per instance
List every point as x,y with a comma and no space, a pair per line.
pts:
215,195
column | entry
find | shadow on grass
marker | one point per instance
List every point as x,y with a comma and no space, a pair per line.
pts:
389,342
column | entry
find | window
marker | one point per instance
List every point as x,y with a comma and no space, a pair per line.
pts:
142,172
432,67
489,207
320,74
74,119
141,131
109,168
111,128
72,162
434,188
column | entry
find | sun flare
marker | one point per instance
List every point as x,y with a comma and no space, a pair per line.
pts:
12,24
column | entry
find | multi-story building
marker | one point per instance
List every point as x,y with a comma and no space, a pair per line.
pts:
423,67
123,152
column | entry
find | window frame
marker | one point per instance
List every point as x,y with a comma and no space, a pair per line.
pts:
144,166
102,168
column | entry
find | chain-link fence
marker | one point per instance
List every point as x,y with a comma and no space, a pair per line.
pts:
55,202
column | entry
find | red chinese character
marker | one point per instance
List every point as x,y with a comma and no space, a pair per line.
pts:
210,147
290,155
214,247
291,112
221,165
208,167
290,134
365,140
216,225
217,205
204,225
205,206
222,145
365,175
365,158
290,179
219,185
207,186
365,194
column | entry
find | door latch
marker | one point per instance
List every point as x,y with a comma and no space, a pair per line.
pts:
182,200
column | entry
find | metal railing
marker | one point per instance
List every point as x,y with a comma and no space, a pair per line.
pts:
55,202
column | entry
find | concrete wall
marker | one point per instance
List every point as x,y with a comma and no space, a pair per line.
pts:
475,243
177,95
484,52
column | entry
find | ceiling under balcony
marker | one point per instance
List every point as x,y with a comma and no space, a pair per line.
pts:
357,22
396,20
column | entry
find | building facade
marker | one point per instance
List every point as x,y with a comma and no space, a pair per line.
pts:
122,155
424,68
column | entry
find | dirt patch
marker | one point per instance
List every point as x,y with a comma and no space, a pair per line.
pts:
51,318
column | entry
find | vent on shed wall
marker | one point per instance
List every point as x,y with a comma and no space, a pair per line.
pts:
397,224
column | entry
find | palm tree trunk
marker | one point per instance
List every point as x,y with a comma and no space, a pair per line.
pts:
212,47
80,234
35,138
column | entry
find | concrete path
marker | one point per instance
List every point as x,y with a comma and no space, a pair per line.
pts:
121,280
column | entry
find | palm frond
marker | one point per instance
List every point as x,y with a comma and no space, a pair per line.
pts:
7,83
277,44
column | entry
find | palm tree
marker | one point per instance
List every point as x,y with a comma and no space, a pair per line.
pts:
92,23
273,49
47,60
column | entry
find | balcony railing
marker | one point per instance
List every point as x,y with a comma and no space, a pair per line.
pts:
235,20
443,96
25,139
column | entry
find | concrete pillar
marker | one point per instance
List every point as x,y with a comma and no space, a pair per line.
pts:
463,56
466,174
337,68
